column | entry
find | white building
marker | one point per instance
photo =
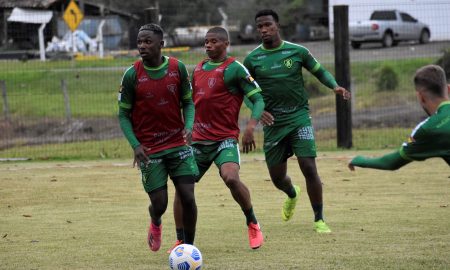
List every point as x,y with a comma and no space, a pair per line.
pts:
435,13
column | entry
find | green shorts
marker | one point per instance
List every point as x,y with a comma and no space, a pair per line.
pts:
176,163
218,152
282,142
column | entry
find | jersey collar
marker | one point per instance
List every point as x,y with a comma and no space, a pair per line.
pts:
274,49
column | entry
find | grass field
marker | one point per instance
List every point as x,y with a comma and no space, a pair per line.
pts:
93,215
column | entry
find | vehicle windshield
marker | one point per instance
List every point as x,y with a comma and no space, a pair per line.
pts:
383,15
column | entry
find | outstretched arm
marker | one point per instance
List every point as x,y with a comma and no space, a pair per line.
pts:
392,161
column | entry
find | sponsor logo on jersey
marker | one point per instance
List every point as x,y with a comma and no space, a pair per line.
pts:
172,88
211,82
142,79
285,52
200,92
275,66
173,74
261,57
162,102
288,62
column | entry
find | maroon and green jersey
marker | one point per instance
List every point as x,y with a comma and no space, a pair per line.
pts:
156,116
218,92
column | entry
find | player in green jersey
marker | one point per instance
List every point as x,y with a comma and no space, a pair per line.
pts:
151,93
431,137
220,83
277,66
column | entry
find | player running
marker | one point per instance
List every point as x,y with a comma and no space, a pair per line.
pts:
151,120
219,85
431,137
277,66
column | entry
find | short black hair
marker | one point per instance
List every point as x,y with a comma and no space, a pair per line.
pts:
156,29
222,32
267,12
432,79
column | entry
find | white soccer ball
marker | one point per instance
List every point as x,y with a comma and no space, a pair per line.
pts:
185,257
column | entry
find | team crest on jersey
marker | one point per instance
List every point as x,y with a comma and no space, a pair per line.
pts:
172,88
288,62
211,82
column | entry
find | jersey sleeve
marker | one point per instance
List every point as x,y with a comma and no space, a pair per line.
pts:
391,161
248,65
126,91
186,97
315,68
243,80
126,99
417,146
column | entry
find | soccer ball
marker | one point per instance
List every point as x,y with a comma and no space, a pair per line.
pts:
185,257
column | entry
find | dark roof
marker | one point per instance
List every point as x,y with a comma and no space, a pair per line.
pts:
91,7
27,3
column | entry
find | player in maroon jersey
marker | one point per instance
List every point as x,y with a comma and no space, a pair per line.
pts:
150,117
219,85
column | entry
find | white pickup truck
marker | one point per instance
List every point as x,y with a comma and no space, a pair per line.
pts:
388,27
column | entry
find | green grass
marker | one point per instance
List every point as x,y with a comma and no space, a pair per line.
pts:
366,139
93,215
34,87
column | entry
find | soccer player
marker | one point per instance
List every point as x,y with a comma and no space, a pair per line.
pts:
219,85
277,66
152,90
431,137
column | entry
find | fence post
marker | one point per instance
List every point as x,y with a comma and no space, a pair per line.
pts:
66,100
342,69
5,100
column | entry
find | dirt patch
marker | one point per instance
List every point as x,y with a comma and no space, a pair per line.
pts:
44,131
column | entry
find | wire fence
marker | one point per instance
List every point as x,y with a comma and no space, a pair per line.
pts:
66,106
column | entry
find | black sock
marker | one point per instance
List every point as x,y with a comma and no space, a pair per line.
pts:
318,211
250,216
156,222
180,234
189,237
291,192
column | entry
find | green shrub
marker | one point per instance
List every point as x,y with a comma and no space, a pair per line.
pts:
386,79
444,62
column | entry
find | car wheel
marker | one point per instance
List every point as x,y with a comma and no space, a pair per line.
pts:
355,45
424,36
387,40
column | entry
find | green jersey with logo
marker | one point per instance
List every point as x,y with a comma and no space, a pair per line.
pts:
279,74
431,138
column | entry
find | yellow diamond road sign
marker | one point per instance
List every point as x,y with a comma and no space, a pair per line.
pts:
73,16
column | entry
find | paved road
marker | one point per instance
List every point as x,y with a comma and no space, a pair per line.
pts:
324,51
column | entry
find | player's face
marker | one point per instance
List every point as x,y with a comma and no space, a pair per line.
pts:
216,46
268,29
149,45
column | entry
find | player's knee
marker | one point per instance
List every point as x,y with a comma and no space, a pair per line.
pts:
231,180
